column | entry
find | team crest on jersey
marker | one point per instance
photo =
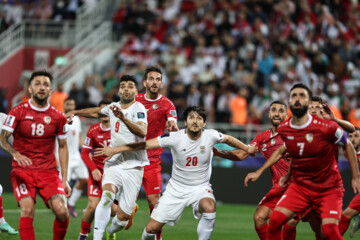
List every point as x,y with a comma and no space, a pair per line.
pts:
273,141
47,119
10,120
309,137
173,113
202,149
155,106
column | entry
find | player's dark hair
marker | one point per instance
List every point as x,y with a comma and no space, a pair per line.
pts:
69,99
104,102
278,102
198,110
152,69
357,129
303,86
317,99
128,78
41,73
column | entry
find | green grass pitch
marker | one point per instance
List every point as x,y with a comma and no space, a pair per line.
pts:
233,222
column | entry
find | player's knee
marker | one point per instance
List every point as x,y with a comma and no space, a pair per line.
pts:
153,199
27,211
61,211
260,218
293,222
152,229
207,205
1,189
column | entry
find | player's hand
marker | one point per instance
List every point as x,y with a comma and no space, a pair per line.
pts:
69,116
216,152
67,188
21,159
104,151
284,180
96,174
117,112
327,113
253,148
355,183
171,127
253,176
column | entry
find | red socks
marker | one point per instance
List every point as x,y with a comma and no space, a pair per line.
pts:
85,227
261,231
344,224
26,228
289,232
277,220
331,232
59,229
1,208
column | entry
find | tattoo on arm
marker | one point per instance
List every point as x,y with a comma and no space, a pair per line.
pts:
4,142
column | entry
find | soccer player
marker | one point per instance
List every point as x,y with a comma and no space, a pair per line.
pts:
316,179
161,112
354,207
4,226
268,142
34,125
97,133
123,172
189,183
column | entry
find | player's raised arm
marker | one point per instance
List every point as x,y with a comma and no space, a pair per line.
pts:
274,158
327,113
138,128
110,151
351,157
94,112
63,160
234,155
6,146
171,126
233,142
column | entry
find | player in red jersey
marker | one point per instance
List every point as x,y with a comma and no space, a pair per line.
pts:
316,179
161,113
268,141
97,133
34,125
354,207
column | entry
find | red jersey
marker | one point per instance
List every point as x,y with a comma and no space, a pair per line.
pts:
358,157
94,136
159,111
267,144
311,146
34,130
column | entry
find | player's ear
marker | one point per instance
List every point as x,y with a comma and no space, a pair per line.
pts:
144,83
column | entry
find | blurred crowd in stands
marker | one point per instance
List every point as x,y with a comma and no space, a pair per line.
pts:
14,11
236,56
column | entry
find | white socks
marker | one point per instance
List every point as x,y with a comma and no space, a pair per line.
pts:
102,214
2,220
206,226
75,195
148,236
116,225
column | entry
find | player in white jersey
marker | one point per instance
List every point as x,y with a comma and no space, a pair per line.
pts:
189,185
4,226
123,172
76,169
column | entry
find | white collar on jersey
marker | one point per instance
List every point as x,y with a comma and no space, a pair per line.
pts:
302,126
152,100
104,129
271,134
37,108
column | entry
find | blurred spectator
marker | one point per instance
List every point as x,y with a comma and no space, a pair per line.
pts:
58,97
81,96
354,114
14,13
238,107
94,88
3,101
22,96
118,19
44,11
194,96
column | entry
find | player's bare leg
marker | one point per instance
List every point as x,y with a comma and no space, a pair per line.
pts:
103,210
261,215
151,229
26,228
119,221
315,224
330,228
207,207
75,195
152,201
345,220
57,204
278,218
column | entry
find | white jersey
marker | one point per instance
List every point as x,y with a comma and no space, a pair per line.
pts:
72,138
121,135
2,119
191,159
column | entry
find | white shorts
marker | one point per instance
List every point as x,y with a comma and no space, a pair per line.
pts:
128,183
174,200
79,171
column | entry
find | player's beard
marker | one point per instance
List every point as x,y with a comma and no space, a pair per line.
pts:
275,124
41,100
299,112
129,99
148,88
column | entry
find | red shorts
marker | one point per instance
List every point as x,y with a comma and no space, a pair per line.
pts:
94,188
26,183
312,212
272,197
298,199
355,203
152,179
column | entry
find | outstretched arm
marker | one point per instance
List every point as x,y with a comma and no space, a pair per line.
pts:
86,112
329,115
351,157
233,142
234,155
274,158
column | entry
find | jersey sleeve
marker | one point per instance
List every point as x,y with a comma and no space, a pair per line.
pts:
336,134
171,112
216,137
140,114
168,139
256,140
62,128
88,142
106,110
12,120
